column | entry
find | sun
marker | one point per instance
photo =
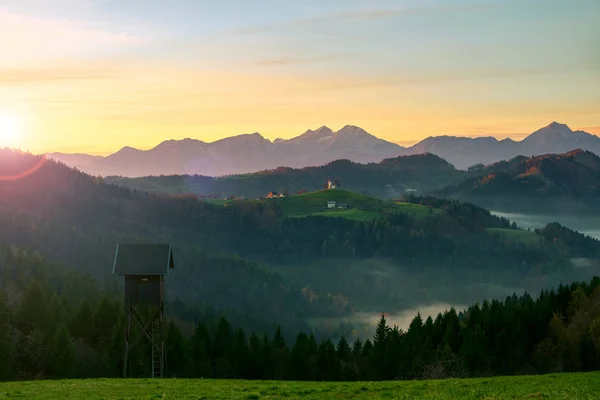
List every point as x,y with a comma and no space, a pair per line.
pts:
9,130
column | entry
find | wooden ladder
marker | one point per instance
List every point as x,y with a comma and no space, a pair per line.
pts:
157,350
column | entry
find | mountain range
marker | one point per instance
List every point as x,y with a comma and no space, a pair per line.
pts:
252,152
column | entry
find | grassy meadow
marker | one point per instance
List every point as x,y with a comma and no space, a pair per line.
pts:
557,386
359,206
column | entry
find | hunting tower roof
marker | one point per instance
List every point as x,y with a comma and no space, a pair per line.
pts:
143,259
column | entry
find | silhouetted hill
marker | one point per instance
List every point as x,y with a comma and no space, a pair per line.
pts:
251,152
388,178
564,182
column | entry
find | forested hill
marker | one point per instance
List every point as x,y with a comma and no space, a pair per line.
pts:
552,183
77,220
248,257
388,178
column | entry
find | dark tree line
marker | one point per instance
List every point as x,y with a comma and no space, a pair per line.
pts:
557,332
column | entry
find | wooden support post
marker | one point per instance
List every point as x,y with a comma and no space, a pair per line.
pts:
126,345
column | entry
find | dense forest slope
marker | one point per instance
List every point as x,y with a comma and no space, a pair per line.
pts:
388,178
77,220
60,324
568,182
250,257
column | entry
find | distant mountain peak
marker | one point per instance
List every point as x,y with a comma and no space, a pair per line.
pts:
554,132
128,149
320,133
323,128
557,125
352,130
242,137
554,127
179,143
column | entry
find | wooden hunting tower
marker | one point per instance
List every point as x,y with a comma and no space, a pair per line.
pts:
144,267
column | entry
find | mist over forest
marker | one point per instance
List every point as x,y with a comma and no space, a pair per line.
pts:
589,225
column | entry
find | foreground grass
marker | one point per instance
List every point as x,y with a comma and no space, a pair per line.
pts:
561,386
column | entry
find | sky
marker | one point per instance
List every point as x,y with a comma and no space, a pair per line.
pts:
96,75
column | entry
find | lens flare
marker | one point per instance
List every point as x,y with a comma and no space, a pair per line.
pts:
9,130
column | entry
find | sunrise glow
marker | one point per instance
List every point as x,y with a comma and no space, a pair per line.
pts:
9,130
94,78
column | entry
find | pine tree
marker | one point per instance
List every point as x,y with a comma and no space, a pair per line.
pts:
256,357
81,324
327,362
268,357
279,355
221,350
7,347
366,363
298,363
239,357
344,351
177,351
379,357
62,354
34,312
348,368
200,353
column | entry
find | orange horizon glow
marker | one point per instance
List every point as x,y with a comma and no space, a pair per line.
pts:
94,80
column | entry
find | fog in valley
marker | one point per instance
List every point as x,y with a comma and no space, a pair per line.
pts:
375,286
588,226
364,323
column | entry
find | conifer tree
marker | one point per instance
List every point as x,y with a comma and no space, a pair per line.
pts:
62,355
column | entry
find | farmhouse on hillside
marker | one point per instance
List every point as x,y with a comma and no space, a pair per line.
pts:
331,184
275,194
331,204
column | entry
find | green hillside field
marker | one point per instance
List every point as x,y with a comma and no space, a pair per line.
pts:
360,207
557,386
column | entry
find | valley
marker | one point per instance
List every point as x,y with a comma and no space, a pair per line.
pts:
589,225
328,261
374,254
